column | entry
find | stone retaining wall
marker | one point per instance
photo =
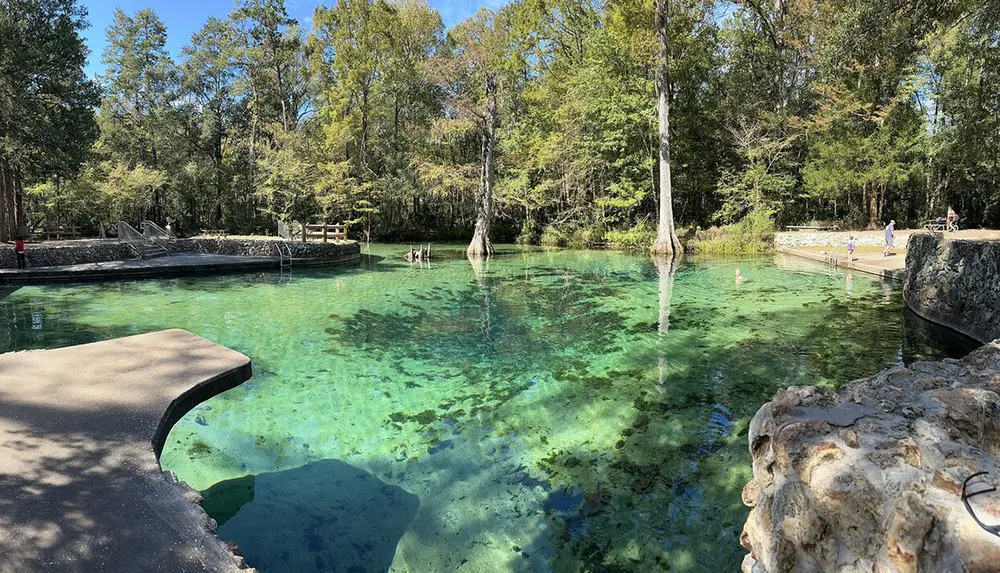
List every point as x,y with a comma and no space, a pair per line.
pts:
955,283
67,254
101,251
266,248
823,239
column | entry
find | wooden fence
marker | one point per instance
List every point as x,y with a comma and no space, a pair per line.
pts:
326,232
313,231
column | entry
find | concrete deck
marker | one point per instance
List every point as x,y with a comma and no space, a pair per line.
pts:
892,267
81,429
175,264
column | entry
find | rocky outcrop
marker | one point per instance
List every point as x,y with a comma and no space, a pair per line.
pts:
870,478
955,283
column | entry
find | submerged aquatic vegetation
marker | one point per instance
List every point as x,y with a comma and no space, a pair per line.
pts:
546,410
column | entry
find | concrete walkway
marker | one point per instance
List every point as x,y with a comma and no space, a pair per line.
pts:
175,264
81,429
892,267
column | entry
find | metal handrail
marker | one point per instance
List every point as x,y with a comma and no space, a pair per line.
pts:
151,230
284,256
128,234
137,241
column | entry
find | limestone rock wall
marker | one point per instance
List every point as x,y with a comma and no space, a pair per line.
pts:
955,283
266,248
870,478
67,254
825,239
100,251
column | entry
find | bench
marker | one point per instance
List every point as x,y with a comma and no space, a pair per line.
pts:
820,226
810,228
940,225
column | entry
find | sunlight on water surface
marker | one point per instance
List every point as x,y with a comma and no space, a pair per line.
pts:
542,411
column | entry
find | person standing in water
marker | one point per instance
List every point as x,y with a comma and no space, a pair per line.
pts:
19,251
889,236
740,279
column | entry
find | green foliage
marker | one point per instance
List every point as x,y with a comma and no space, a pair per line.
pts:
751,235
858,112
46,119
637,238
762,184
571,235
291,185
530,233
555,236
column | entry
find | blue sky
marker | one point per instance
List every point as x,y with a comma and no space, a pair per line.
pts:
184,17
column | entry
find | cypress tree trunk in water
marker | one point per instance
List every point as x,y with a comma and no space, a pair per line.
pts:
667,242
480,245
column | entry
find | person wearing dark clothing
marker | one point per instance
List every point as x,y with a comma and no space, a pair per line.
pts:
19,251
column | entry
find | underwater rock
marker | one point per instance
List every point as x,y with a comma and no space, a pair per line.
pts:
870,478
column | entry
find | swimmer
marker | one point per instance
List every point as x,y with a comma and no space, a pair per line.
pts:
740,279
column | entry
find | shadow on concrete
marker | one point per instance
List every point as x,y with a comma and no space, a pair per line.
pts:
324,516
80,486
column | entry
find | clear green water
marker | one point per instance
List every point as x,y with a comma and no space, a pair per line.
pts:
549,411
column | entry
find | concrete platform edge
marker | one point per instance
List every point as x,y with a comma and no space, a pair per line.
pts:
894,274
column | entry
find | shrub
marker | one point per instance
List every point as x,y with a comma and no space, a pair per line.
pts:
529,232
589,236
571,235
554,236
639,237
751,235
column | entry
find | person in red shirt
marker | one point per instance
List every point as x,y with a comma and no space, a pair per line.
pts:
19,251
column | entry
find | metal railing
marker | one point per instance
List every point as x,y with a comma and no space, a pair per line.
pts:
151,230
127,234
284,255
143,246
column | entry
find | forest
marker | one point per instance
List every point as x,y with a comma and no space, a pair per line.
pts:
780,112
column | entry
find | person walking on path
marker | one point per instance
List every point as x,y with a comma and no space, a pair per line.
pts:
19,251
850,248
889,236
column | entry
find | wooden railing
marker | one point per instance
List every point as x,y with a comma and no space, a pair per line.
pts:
59,233
326,232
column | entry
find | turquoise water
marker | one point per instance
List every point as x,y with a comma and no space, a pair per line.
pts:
542,411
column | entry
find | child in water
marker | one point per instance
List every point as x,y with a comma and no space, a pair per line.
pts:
740,279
